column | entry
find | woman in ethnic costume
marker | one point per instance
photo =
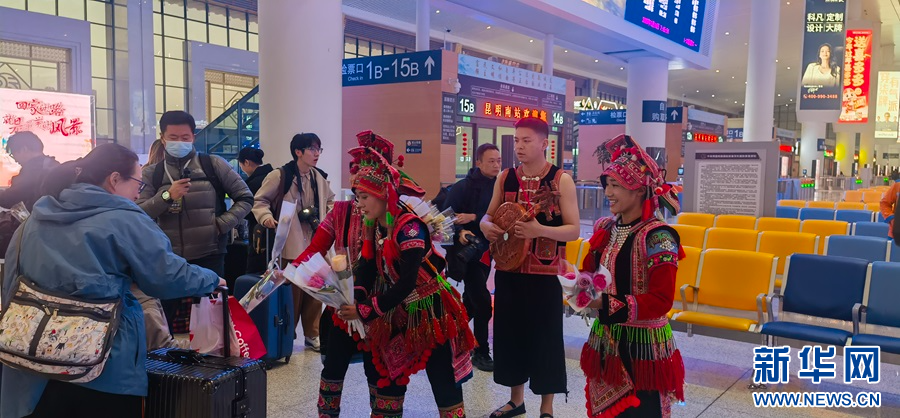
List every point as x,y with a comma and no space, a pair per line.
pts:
414,319
343,228
632,365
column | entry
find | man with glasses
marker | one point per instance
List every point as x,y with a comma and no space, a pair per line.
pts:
298,181
185,194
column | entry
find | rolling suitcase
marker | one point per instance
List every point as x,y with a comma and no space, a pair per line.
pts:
185,384
274,318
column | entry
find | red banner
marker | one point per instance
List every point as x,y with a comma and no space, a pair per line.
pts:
857,65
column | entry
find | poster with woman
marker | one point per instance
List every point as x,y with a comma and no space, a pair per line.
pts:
822,72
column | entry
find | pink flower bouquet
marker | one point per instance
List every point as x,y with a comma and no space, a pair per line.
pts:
582,288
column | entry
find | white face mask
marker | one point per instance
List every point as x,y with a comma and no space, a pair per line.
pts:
179,149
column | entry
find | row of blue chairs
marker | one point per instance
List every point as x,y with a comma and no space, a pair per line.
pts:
871,229
845,215
836,288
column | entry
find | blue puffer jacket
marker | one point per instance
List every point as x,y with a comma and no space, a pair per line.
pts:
93,244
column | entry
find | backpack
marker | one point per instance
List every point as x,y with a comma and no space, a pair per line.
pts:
206,164
440,200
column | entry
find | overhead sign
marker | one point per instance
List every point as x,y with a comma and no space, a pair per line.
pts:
857,66
448,118
388,69
735,133
820,144
654,111
674,114
823,55
706,122
588,104
62,121
489,70
510,111
602,117
887,105
678,21
414,146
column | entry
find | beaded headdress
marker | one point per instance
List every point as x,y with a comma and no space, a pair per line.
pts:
633,168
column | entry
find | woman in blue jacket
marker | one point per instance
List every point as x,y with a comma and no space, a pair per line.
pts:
88,238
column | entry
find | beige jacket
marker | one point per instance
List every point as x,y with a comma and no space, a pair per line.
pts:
300,233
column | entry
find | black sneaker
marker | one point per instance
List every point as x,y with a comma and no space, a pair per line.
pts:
483,362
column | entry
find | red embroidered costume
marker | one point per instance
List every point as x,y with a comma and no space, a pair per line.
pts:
414,319
632,365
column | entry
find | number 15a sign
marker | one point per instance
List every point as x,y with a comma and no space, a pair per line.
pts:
389,69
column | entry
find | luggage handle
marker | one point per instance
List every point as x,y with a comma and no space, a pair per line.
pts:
223,290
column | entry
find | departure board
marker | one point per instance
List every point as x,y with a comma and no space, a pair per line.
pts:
680,21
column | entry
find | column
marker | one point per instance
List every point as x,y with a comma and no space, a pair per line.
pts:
648,79
308,101
423,25
844,147
549,40
810,134
760,96
866,148
140,132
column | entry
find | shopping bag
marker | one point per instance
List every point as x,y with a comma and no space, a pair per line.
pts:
245,339
208,326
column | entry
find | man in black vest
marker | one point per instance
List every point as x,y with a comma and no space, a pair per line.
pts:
470,198
185,194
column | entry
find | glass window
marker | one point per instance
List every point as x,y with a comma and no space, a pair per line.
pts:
253,40
377,49
196,31
174,8
100,35
42,6
237,20
173,26
174,72
196,10
253,25
160,100
174,98
174,48
158,69
363,48
120,16
157,45
157,6
121,39
218,35
102,90
157,24
99,13
71,9
237,39
104,123
218,15
45,78
100,60
13,4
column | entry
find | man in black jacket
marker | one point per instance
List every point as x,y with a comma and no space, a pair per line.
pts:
470,198
28,150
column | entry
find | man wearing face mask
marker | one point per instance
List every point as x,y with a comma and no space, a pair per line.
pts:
185,194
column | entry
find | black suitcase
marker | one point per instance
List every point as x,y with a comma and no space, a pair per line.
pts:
185,384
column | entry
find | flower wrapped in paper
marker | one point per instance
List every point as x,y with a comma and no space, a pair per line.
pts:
440,223
262,289
329,284
580,288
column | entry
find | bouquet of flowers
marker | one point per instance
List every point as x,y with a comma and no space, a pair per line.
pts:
440,223
582,288
331,285
262,289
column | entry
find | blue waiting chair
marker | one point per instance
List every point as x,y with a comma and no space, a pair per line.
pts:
789,212
819,286
853,216
871,229
879,307
895,252
867,248
817,213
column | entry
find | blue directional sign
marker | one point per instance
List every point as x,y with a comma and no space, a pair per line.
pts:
388,69
414,146
654,111
674,114
602,117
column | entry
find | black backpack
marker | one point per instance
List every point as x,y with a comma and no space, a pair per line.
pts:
208,169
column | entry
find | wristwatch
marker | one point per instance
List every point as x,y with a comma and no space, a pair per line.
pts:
166,197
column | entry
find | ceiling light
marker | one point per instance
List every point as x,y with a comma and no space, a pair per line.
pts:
566,50
735,102
745,83
531,40
489,26
621,68
792,100
698,91
732,77
713,95
717,70
779,94
727,33
789,68
776,60
596,60
788,3
437,11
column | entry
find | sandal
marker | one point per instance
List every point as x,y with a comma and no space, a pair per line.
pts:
511,413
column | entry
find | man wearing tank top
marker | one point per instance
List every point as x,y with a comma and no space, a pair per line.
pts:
528,311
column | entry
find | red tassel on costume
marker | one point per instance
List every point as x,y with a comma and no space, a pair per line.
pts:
597,240
681,254
486,258
646,210
368,250
391,251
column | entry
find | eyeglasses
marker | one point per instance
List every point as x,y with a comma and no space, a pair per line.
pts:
315,150
141,184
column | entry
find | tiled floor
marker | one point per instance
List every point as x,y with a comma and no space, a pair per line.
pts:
718,372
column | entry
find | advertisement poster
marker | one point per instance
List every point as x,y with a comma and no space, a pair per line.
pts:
62,122
678,21
857,66
822,76
887,104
